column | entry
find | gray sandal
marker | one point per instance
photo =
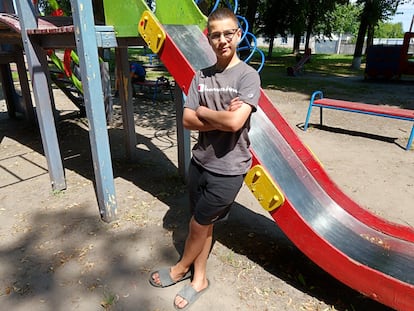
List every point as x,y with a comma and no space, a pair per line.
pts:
165,278
190,295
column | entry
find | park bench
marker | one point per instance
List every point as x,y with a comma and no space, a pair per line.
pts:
317,100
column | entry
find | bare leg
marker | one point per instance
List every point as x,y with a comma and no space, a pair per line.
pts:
197,249
198,242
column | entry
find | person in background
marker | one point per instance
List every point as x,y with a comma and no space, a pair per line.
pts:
137,72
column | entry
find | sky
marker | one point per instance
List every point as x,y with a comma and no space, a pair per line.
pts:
407,11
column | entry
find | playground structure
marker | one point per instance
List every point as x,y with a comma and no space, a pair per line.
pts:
361,250
390,61
299,66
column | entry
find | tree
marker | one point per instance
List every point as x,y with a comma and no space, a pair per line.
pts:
373,12
389,30
344,19
248,9
298,17
316,13
274,19
297,24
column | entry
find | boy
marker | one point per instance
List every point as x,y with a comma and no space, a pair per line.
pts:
220,101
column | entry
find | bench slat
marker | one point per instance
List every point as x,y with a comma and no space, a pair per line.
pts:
369,109
385,110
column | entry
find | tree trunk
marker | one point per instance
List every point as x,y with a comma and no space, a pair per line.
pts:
338,45
251,13
370,37
296,43
356,62
98,12
308,35
271,43
309,28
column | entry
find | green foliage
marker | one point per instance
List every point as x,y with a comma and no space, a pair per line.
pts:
47,7
388,30
275,17
318,12
345,18
379,10
109,300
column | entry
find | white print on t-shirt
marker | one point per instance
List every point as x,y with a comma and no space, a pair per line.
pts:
203,88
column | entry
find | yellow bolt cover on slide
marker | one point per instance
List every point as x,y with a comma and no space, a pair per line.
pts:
263,188
151,31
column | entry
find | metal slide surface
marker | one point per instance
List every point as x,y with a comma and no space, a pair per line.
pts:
368,254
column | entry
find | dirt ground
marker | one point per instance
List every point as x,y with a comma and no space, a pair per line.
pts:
56,253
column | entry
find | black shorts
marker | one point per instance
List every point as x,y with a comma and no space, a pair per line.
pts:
211,195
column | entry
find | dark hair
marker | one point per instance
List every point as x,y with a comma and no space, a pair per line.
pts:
219,14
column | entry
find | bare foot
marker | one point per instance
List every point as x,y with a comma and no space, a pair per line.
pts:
189,294
167,277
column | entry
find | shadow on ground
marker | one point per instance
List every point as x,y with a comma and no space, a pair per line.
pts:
50,247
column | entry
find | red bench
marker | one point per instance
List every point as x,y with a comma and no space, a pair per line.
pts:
317,100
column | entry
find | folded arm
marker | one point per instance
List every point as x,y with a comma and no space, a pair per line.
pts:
205,119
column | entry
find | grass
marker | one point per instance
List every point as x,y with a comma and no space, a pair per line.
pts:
274,73
321,66
108,301
330,73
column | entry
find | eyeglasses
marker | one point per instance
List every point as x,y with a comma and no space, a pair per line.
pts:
228,35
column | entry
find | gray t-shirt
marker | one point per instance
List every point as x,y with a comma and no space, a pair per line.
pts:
220,152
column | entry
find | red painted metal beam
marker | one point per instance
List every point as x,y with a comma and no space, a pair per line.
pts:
176,63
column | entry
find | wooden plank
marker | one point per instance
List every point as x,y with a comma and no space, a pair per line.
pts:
125,100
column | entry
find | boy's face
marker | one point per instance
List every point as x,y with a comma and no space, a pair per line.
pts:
224,35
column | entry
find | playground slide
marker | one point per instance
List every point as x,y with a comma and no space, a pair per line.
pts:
368,254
